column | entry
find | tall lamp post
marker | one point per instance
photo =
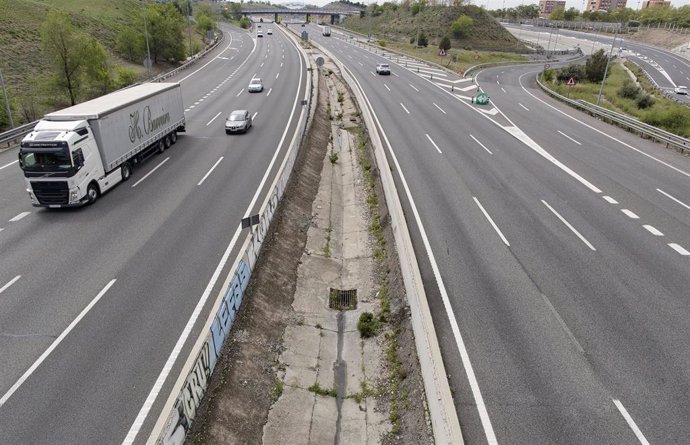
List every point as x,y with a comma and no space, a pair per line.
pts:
608,60
148,61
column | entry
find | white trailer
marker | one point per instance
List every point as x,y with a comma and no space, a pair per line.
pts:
74,155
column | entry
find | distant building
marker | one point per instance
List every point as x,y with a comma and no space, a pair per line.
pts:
546,7
654,3
605,5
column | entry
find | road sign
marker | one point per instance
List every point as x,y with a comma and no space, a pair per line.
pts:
571,82
319,61
547,66
442,52
481,99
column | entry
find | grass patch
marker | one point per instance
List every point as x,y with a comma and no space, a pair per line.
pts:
367,325
317,389
277,390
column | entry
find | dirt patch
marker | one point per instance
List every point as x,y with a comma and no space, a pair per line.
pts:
660,38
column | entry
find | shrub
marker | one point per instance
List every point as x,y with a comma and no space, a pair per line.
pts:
628,90
445,44
244,23
595,66
575,71
382,42
645,101
549,75
423,40
367,325
461,26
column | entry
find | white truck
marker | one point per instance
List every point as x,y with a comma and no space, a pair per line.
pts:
74,155
326,30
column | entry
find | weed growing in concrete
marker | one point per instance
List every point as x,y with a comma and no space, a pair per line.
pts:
333,157
327,247
277,389
394,380
317,389
367,325
341,97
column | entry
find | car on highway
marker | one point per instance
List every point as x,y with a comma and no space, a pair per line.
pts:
270,31
255,85
259,33
383,69
680,89
239,121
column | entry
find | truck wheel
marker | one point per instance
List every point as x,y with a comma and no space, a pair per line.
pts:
126,171
173,137
167,142
92,193
161,147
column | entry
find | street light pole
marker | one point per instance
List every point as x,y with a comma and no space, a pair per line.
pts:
606,70
189,26
146,37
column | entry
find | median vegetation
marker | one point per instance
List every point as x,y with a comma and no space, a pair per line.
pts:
626,91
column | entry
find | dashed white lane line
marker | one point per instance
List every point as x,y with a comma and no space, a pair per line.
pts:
573,229
503,89
673,198
277,75
653,230
149,173
679,249
566,136
256,113
360,64
241,91
493,224
630,214
526,109
262,64
482,145
372,73
434,143
210,171
413,87
11,163
610,200
55,344
269,92
20,216
214,117
631,422
10,283
386,87
441,109
395,75
406,110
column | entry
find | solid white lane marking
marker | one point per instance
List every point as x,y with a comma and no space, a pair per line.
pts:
653,230
441,109
630,214
503,89
493,224
565,135
210,171
610,200
149,173
434,143
10,283
11,163
631,422
481,145
563,220
413,87
526,109
277,75
55,344
604,134
386,87
254,115
408,112
20,216
269,92
214,118
675,199
679,249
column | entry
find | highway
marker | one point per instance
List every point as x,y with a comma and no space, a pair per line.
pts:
554,250
667,69
93,300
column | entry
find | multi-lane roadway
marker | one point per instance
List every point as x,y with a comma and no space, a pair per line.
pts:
93,300
555,251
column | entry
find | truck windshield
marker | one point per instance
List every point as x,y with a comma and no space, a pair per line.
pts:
45,161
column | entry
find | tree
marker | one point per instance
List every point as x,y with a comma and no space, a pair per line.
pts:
445,43
96,66
165,26
461,26
595,66
417,7
571,14
61,45
557,13
423,40
130,44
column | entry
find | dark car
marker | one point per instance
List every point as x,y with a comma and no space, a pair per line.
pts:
239,121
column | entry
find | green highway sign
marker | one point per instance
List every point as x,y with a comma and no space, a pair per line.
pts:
481,99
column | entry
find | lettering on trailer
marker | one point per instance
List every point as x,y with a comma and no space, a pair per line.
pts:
151,124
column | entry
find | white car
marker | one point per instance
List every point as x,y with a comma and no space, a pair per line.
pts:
270,31
255,85
383,69
259,34
680,89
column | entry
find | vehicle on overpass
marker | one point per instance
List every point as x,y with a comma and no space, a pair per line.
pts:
74,155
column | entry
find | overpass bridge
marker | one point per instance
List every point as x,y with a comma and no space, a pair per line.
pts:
307,12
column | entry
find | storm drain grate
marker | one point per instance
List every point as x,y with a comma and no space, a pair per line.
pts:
342,300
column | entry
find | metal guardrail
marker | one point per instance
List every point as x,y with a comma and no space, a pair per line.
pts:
10,138
576,51
630,123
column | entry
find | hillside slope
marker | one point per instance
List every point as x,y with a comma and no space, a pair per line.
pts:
399,24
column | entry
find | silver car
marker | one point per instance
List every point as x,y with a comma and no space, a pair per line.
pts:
255,85
239,121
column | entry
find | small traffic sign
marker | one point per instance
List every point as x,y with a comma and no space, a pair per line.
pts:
571,82
442,52
481,99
